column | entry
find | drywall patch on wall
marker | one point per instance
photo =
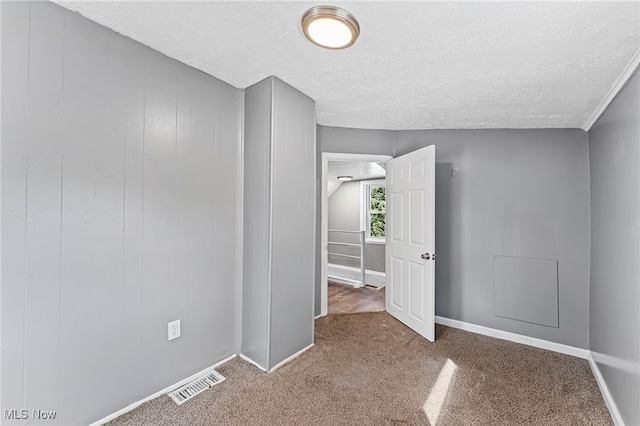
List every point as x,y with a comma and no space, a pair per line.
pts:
526,289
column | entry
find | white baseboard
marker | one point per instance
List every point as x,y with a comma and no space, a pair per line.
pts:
343,280
250,361
284,361
513,337
159,393
604,390
349,275
544,344
278,365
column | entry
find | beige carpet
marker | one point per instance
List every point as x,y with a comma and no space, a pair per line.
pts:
369,369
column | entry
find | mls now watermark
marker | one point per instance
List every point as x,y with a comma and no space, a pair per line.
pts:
24,414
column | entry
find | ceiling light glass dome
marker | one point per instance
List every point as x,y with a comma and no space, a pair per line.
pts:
330,27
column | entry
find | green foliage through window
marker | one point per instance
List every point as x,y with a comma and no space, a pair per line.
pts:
377,211
377,225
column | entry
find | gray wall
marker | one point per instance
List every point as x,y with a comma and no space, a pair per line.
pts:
356,141
318,264
522,193
257,218
343,212
293,235
118,215
280,222
614,150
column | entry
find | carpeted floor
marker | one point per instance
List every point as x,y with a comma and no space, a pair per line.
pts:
369,369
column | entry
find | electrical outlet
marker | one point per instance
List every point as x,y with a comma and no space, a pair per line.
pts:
174,329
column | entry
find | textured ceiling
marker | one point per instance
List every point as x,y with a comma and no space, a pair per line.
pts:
417,65
358,169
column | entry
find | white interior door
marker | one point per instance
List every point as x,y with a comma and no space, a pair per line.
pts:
410,240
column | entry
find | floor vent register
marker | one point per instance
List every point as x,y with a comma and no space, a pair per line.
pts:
195,387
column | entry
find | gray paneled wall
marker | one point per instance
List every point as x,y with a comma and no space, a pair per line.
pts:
343,211
279,218
293,228
522,193
614,152
118,215
318,263
256,275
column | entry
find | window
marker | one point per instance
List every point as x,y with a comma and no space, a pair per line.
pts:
374,210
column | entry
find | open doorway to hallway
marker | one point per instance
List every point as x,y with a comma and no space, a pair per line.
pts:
353,232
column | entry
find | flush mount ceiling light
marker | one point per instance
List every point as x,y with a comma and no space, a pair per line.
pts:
345,177
330,27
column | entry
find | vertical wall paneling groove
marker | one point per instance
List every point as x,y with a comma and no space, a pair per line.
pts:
43,207
239,219
92,219
124,222
15,21
317,310
184,197
119,198
159,216
133,218
272,166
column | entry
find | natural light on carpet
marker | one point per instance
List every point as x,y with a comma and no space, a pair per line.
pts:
435,400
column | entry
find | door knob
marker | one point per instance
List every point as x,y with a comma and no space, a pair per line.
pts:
425,256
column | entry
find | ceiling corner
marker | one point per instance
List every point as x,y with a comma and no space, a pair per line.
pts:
617,86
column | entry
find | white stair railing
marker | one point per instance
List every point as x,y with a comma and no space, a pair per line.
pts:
360,244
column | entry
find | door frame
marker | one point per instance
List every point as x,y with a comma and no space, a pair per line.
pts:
326,157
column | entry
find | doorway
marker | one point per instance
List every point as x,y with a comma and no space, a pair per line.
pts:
409,236
348,271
